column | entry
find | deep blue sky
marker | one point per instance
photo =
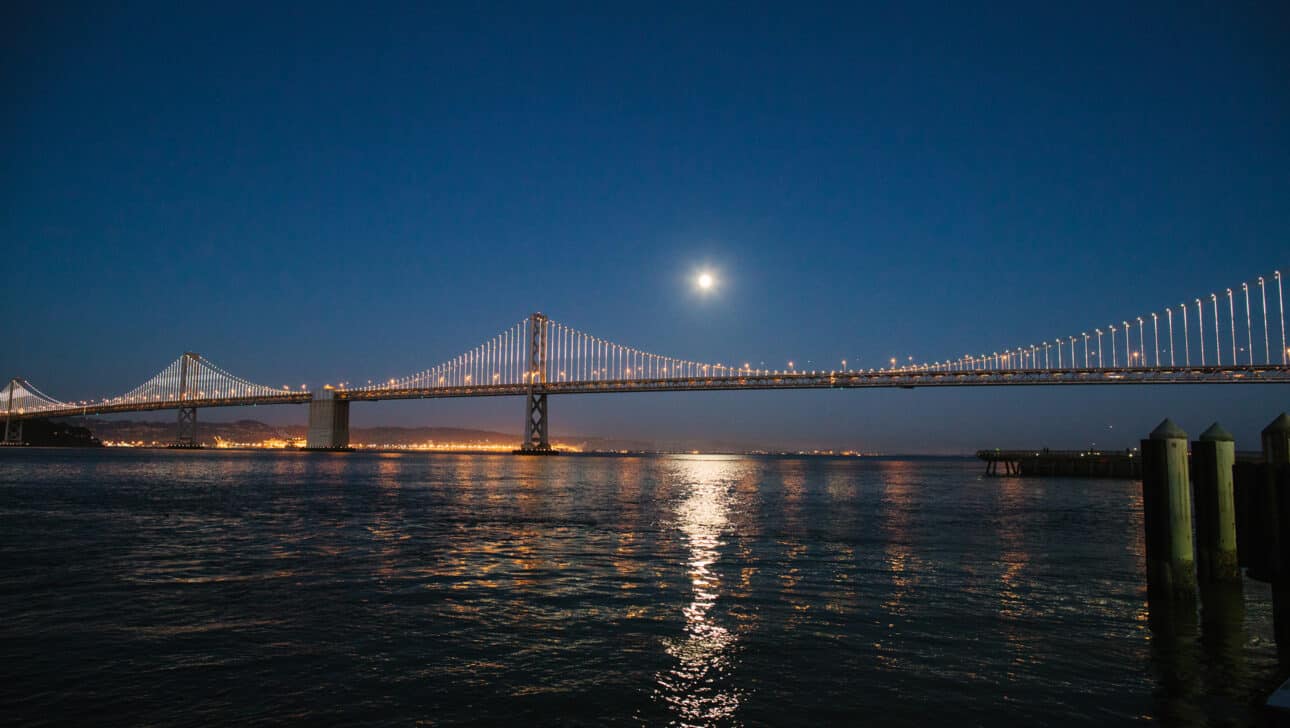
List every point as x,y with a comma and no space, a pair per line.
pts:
312,193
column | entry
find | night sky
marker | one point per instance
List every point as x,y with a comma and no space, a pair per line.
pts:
312,193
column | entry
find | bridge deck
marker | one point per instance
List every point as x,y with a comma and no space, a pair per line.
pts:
854,380
1257,374
123,407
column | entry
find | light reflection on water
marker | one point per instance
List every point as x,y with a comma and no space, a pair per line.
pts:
690,590
695,688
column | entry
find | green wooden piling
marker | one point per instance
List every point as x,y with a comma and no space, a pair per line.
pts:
1274,503
1166,506
1212,458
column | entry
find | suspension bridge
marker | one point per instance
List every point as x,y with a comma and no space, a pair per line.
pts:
1236,337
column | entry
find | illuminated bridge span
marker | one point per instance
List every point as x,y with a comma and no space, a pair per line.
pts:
1236,337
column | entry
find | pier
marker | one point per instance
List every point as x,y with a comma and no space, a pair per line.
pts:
1045,463
1070,463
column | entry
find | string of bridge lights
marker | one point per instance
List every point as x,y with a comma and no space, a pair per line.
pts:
570,355
576,356
190,377
1200,347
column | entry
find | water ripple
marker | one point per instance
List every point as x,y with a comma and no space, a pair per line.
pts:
174,588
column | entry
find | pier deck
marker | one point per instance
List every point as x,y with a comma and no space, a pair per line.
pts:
1071,463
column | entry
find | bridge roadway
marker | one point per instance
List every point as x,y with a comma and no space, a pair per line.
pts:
1257,374
110,408
897,379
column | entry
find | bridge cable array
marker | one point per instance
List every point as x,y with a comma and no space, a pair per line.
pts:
20,396
570,356
1205,332
188,378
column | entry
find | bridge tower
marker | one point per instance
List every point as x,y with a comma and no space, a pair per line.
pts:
186,434
12,430
535,430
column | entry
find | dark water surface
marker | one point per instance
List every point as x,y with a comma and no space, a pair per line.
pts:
179,588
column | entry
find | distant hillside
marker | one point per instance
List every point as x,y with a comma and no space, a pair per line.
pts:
159,433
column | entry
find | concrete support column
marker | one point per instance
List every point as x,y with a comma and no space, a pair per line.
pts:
328,422
1166,506
1212,458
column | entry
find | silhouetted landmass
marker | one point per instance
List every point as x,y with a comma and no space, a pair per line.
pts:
57,433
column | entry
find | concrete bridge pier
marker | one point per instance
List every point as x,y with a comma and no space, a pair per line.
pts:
1166,515
328,422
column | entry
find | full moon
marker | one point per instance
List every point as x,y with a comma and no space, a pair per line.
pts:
705,281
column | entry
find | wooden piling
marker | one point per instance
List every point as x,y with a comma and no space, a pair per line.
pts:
1274,502
1276,441
1166,506
1213,456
